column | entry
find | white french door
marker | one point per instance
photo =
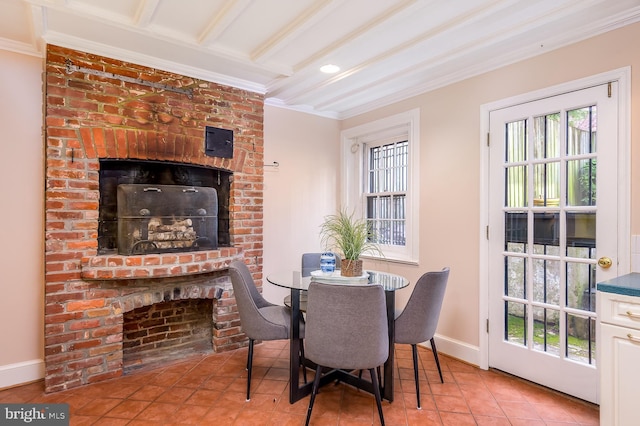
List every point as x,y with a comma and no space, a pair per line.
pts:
553,235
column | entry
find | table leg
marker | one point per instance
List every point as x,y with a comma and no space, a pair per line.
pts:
387,388
294,348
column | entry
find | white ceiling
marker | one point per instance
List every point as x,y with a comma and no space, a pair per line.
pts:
388,50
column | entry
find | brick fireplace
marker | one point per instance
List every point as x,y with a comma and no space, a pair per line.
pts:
101,109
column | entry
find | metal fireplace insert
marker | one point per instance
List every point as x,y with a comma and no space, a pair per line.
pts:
166,218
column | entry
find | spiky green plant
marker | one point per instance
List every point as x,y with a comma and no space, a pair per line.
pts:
350,235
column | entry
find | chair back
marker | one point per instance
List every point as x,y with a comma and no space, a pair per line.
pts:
244,276
311,262
418,321
346,326
250,301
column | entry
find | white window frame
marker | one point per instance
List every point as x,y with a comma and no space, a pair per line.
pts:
353,140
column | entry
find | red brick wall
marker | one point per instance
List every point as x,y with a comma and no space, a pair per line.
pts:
90,117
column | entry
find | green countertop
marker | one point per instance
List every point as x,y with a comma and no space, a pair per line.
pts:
629,285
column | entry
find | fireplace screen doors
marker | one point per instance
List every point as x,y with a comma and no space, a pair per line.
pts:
166,218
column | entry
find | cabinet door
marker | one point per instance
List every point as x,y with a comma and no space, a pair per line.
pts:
620,375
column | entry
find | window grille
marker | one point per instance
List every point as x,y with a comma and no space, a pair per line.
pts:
387,192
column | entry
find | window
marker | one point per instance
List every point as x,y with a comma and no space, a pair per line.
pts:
380,181
386,192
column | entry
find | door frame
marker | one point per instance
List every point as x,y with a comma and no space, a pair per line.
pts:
623,77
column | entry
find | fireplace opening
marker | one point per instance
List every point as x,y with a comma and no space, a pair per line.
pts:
166,332
157,207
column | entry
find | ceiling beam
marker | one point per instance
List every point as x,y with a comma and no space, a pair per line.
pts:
288,33
222,20
144,13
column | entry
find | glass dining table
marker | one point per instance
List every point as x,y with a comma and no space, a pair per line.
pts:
298,285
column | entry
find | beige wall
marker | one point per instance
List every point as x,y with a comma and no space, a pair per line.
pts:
300,191
450,163
21,192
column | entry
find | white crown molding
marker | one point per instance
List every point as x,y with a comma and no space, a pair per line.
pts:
275,102
18,47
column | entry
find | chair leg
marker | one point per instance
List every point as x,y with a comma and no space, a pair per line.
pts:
379,376
414,351
246,367
376,392
435,355
304,368
249,365
314,392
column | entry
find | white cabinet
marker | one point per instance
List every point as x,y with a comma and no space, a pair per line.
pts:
619,359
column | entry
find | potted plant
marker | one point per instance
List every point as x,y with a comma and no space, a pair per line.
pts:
351,237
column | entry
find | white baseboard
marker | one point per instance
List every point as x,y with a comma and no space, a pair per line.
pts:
21,372
456,349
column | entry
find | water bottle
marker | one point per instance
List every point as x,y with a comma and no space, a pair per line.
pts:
327,263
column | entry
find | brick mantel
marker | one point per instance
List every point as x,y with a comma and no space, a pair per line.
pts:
116,267
90,117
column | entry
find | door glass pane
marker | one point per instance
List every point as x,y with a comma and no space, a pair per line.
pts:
581,233
581,252
581,339
516,186
581,131
515,280
546,131
516,141
516,326
546,184
546,330
546,229
546,281
516,231
516,247
581,182
581,286
546,249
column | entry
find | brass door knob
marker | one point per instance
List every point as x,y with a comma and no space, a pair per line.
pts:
605,262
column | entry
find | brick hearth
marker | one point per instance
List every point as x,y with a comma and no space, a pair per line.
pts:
95,115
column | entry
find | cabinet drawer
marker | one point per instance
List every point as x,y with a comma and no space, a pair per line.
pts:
619,309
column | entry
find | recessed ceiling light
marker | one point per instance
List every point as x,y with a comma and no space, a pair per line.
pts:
329,69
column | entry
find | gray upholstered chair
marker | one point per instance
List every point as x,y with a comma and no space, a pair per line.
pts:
310,263
417,322
346,330
260,319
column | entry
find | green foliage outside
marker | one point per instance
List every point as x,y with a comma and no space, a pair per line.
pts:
516,333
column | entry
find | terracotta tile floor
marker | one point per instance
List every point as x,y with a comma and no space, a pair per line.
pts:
209,390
